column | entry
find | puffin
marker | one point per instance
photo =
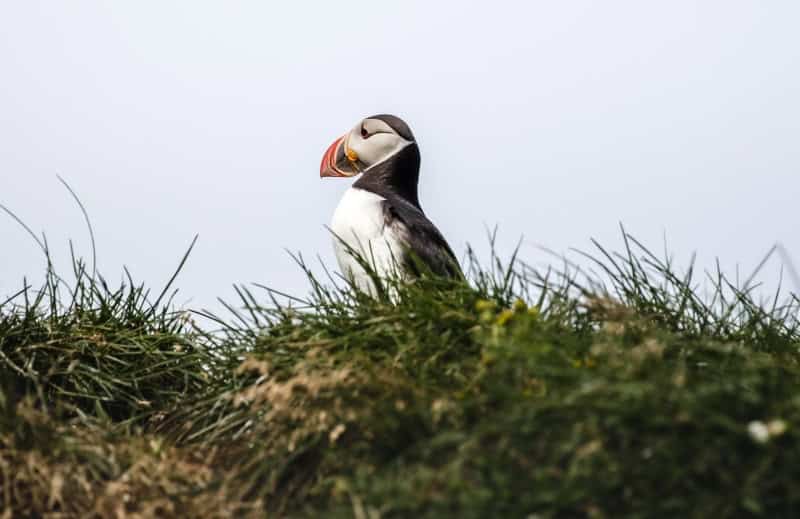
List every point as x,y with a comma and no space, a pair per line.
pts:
379,219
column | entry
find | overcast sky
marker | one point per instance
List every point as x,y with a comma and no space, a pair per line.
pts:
552,120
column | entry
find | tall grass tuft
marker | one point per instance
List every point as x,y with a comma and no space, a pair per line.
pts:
638,390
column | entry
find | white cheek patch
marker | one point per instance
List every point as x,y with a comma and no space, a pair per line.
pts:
376,126
378,147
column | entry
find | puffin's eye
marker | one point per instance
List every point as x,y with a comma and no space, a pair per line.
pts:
364,132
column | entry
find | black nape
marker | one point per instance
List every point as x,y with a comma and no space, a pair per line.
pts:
398,175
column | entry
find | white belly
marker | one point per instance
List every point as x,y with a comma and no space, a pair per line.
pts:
358,222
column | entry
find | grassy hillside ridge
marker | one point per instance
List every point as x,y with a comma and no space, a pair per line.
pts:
517,394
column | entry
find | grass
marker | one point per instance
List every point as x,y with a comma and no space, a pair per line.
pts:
639,391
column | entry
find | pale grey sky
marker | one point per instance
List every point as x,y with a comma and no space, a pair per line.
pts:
552,120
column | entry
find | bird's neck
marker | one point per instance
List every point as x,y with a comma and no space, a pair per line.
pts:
398,175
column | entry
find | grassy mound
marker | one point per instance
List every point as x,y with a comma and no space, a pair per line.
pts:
514,395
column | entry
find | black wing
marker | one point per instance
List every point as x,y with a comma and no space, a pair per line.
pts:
425,247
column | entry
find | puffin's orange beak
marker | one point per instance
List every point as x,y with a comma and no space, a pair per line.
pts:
337,162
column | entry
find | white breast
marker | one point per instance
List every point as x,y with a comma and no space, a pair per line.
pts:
358,222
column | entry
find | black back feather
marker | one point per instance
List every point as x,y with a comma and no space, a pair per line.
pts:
425,249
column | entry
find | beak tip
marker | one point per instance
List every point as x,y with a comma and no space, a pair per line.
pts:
327,167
